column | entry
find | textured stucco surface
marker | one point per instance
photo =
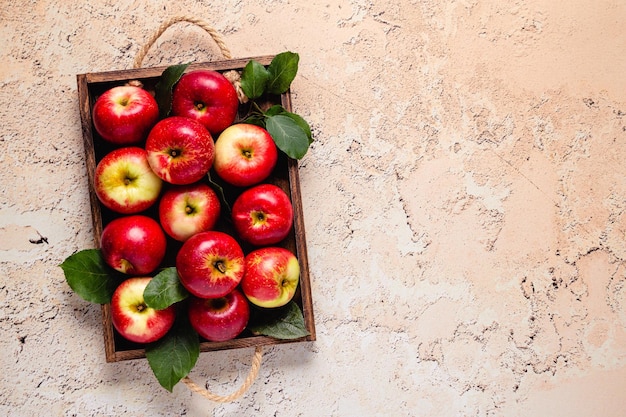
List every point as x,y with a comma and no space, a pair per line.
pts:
464,205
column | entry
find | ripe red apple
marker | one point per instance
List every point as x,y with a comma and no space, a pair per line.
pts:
210,264
185,210
263,215
134,245
245,155
219,319
208,97
124,181
271,276
125,114
180,150
133,319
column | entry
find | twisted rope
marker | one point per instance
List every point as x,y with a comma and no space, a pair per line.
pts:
247,383
176,19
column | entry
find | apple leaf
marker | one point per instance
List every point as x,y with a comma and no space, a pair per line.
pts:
288,135
89,276
278,109
282,71
254,79
164,290
304,125
165,85
274,110
172,357
288,324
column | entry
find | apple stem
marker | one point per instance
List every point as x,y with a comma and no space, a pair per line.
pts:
257,107
219,265
255,110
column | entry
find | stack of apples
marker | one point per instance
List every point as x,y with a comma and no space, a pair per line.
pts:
154,179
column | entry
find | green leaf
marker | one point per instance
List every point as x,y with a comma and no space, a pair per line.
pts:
288,324
172,357
254,79
282,70
288,135
165,85
164,290
89,276
304,125
274,110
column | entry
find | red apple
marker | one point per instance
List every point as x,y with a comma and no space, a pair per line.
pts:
134,245
263,215
208,97
219,319
245,155
124,181
185,210
180,150
210,264
133,319
271,276
125,114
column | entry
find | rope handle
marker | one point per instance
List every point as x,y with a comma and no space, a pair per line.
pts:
247,383
234,77
176,19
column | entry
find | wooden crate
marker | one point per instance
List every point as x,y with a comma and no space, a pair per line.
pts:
285,175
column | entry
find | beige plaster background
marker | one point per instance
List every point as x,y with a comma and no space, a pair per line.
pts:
464,203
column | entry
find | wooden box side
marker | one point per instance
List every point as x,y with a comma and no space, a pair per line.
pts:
92,84
300,236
